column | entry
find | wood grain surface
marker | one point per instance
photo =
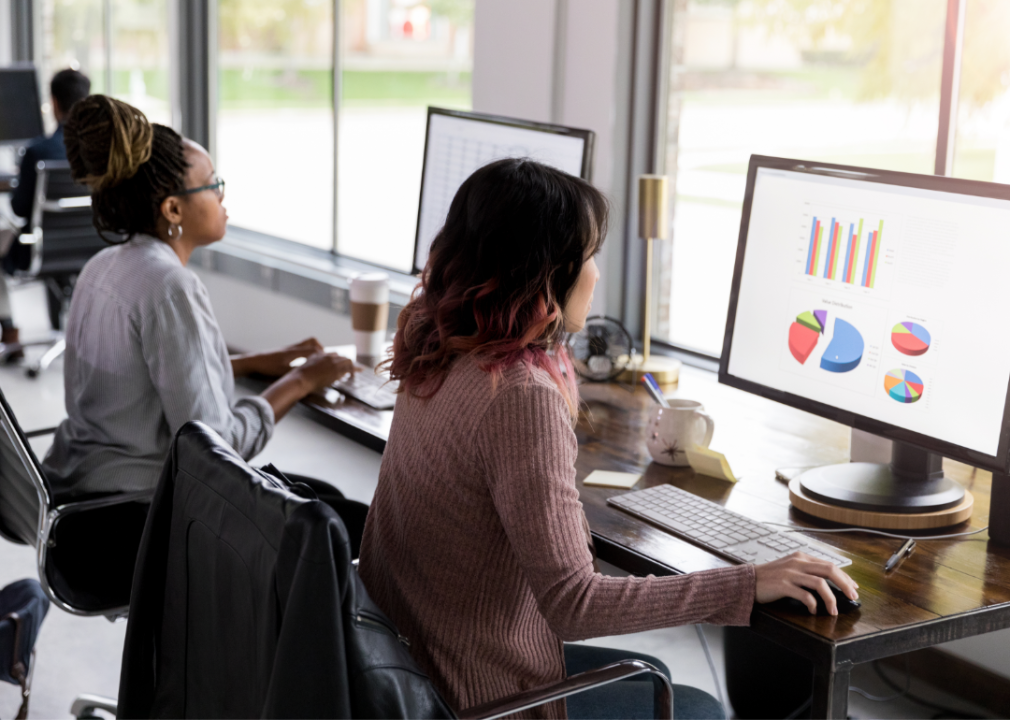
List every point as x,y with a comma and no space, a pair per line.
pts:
940,579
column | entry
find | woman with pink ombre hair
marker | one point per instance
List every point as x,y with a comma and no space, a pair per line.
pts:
476,545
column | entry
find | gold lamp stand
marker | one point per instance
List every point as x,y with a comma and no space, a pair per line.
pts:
653,224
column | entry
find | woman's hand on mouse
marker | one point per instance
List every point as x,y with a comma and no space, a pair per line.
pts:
792,575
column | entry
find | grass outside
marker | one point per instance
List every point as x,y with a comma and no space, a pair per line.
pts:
256,89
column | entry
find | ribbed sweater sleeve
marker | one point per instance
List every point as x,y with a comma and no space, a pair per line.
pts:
527,447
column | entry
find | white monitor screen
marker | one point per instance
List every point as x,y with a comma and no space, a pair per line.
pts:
456,146
882,300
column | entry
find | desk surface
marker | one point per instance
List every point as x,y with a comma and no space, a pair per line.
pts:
939,581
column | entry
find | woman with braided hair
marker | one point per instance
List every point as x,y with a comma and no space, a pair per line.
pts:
144,352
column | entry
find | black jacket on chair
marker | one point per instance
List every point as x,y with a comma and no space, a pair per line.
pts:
245,604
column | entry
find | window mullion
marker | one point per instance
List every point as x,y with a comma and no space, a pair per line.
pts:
949,85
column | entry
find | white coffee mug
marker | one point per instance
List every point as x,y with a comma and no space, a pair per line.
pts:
370,313
671,430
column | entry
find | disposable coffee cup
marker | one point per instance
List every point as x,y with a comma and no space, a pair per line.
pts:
369,313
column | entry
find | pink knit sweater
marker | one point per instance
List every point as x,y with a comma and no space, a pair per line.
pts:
475,546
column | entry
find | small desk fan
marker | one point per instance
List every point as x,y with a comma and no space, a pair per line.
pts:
600,350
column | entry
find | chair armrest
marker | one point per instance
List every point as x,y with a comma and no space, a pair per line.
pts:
40,432
576,684
84,706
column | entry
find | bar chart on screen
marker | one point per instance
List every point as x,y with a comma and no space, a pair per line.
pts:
847,247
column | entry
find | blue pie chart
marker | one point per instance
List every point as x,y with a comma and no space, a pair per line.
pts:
845,350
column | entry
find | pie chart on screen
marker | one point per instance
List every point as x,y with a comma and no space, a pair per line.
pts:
904,386
910,338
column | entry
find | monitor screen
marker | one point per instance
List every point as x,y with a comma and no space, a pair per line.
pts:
458,143
20,111
876,299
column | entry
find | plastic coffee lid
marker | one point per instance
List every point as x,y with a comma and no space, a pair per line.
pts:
370,288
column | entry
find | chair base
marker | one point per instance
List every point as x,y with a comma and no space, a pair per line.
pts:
84,706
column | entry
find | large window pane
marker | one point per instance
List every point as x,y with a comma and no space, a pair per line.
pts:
140,56
275,116
73,35
982,150
134,61
398,57
846,81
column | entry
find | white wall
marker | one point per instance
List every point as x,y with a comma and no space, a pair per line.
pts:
255,319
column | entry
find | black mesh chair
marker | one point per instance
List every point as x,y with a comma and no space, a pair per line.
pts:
58,240
86,548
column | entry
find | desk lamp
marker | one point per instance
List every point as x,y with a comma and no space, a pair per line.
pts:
653,224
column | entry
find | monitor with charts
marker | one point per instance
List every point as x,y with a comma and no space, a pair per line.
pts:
20,110
457,143
876,299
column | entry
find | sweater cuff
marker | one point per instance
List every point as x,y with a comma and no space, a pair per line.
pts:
741,585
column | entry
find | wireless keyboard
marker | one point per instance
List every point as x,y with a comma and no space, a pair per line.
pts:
376,391
713,527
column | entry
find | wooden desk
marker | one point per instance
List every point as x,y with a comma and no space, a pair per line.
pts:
944,591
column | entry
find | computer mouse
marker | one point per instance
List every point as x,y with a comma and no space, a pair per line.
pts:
845,605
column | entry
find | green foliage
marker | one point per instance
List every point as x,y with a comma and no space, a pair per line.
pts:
897,44
458,12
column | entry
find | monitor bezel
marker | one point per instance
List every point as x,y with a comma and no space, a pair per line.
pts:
586,173
1000,462
27,68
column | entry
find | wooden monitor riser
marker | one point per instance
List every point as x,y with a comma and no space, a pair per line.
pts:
880,520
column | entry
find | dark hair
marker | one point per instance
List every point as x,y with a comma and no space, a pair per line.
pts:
67,87
130,165
499,274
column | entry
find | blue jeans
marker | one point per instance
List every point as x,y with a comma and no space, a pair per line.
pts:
631,698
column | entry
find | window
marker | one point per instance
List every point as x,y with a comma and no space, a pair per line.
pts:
274,139
275,119
982,148
397,57
846,81
118,44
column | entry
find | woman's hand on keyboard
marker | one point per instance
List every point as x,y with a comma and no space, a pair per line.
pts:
792,575
322,370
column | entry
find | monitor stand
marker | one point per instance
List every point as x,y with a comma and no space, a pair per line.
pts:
913,482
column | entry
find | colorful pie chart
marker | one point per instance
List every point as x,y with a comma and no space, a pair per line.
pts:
904,386
910,338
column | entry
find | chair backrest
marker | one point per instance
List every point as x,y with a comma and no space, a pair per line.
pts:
245,604
87,547
63,223
24,492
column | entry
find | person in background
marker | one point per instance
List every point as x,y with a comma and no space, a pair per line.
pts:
144,351
476,544
66,88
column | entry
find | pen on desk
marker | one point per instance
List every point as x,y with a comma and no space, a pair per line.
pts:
904,550
654,392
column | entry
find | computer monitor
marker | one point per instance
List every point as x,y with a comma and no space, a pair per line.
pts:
20,109
877,299
457,143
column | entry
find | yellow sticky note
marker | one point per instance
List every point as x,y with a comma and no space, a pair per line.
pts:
606,478
709,462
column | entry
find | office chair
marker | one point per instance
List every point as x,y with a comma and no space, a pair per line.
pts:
246,604
85,548
58,240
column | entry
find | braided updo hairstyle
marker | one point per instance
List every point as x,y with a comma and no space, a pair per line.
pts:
130,164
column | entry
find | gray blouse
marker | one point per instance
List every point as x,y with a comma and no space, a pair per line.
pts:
144,356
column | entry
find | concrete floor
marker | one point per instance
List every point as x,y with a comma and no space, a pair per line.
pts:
77,655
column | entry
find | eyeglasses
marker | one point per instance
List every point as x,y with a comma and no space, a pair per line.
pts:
217,186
